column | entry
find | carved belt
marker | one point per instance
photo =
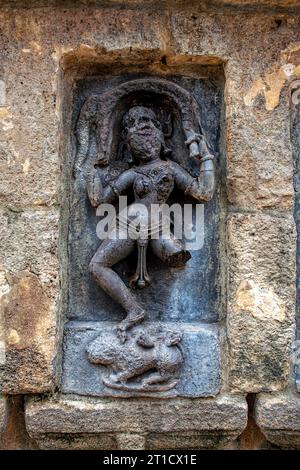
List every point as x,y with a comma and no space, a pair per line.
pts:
141,277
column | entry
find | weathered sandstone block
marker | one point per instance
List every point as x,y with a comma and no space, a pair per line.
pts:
261,301
211,422
278,416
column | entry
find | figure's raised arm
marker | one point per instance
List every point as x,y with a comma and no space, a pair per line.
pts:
201,188
99,194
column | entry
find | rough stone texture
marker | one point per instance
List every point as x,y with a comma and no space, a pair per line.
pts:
30,241
29,280
77,441
190,440
28,292
258,45
261,300
278,416
128,441
14,435
199,376
267,5
256,49
28,331
214,421
3,414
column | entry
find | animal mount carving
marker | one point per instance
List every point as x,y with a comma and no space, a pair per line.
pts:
149,360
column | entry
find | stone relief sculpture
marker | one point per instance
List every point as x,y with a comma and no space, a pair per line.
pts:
140,358
153,350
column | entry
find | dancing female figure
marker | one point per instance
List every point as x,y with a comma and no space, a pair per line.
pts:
153,178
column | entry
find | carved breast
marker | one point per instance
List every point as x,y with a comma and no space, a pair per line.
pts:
158,181
142,186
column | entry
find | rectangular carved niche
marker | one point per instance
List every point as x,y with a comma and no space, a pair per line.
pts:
141,135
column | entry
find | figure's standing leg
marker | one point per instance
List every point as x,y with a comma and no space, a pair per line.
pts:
109,253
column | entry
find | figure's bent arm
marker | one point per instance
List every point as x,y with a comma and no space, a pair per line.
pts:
98,195
201,188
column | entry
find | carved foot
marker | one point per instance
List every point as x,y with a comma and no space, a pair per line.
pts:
119,378
128,323
156,378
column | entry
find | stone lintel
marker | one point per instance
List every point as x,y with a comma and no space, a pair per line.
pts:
206,423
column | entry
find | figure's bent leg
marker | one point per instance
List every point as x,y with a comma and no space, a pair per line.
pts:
110,252
171,251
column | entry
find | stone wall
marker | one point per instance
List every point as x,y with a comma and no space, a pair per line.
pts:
44,50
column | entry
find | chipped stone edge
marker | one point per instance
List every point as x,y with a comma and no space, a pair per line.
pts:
278,417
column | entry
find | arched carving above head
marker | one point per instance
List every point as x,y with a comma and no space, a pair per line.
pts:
103,111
